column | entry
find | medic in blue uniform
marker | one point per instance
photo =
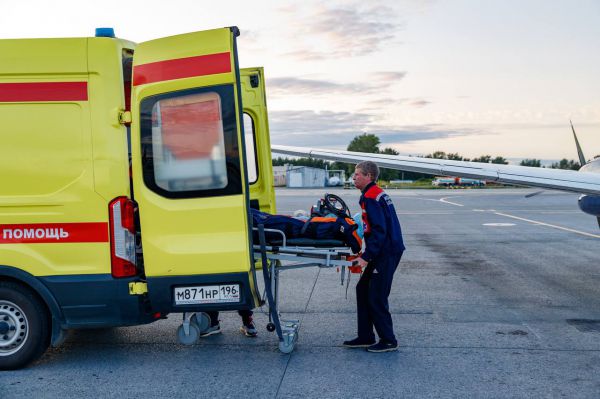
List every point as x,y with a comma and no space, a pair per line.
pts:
384,248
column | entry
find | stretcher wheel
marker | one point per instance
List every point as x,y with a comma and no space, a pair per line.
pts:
270,327
289,342
287,348
200,320
189,339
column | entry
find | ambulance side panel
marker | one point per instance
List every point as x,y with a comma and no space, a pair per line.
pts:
63,157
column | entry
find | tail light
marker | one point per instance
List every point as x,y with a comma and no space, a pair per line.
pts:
122,237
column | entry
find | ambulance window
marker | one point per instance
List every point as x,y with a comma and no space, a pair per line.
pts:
127,64
127,71
250,140
189,143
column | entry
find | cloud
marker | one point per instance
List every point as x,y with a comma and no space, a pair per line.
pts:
390,76
420,103
300,86
342,31
337,129
412,102
304,121
405,134
288,85
383,102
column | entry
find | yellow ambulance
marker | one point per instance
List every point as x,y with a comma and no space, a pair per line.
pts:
127,173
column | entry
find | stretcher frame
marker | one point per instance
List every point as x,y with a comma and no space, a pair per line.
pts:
273,257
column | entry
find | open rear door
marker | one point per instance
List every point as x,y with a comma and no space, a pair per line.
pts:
189,178
258,143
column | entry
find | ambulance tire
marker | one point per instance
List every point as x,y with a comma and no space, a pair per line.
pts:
25,315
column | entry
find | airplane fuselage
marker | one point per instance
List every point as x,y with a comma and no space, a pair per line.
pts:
591,167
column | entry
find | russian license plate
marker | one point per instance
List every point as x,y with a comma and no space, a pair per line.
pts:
201,294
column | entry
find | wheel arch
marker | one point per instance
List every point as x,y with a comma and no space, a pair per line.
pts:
9,273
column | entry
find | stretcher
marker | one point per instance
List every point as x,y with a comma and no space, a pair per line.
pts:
277,256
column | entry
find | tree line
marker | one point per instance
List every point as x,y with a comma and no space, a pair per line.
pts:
370,143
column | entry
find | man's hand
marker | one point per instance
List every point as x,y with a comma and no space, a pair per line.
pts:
361,262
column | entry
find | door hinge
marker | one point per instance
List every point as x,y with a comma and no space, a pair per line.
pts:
124,117
138,288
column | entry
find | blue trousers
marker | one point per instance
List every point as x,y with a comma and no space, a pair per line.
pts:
246,316
372,292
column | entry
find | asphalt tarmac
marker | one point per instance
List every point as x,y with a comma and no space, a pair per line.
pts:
496,296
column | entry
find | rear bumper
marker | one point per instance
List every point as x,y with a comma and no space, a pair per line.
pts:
160,292
97,300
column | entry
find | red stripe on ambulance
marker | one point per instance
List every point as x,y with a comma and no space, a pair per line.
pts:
181,68
53,233
43,91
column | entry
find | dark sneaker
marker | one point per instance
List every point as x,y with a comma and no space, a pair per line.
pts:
383,346
249,330
358,343
212,330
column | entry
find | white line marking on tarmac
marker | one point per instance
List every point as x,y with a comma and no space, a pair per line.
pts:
449,202
583,233
425,213
554,212
532,330
499,224
443,200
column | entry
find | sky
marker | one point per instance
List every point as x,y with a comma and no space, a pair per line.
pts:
475,77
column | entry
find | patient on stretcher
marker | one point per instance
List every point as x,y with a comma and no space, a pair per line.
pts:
330,227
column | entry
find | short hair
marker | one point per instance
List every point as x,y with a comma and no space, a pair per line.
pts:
369,168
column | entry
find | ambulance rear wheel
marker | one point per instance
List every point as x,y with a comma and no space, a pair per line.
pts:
189,339
24,326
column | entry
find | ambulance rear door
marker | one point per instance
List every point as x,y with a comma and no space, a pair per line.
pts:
257,140
189,178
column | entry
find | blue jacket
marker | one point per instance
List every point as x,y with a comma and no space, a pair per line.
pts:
382,228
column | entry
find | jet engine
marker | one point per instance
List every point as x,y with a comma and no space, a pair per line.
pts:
590,204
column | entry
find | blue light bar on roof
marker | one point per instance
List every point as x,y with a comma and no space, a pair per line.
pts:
105,32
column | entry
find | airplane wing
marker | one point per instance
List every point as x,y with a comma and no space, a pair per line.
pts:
555,179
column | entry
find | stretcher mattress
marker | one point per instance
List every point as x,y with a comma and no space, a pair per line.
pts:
314,232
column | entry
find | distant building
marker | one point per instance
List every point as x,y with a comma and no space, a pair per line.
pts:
305,177
279,175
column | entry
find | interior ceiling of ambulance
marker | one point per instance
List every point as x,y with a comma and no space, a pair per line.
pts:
501,78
